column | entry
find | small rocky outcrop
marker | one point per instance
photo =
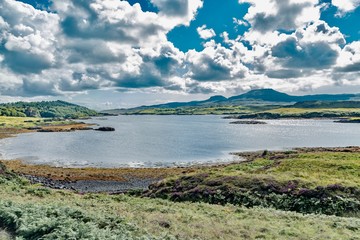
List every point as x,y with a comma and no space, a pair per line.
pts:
55,130
248,122
105,129
348,121
34,128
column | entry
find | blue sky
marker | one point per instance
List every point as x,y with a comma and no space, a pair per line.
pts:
112,53
219,17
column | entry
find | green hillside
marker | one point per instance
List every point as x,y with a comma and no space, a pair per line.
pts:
254,101
45,109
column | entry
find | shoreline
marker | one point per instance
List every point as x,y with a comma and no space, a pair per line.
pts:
124,179
120,180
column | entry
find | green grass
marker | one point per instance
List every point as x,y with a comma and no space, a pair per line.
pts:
299,111
253,111
302,113
33,212
313,182
26,122
214,110
314,169
46,109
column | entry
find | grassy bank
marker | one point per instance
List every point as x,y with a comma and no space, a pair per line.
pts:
33,212
326,182
301,113
75,174
28,122
200,204
9,126
261,111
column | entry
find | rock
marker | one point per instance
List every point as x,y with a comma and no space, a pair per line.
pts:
34,128
55,130
81,128
164,224
105,129
248,122
348,121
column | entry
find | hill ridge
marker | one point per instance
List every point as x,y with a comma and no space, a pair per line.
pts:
267,95
49,109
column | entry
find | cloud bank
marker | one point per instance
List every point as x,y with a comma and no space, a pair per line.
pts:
74,46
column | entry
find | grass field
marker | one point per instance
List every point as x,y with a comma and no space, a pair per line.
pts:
220,110
295,111
32,211
14,125
306,182
28,122
274,111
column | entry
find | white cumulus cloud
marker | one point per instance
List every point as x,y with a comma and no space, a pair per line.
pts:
205,33
346,5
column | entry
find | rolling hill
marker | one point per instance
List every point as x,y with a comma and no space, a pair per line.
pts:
253,97
48,109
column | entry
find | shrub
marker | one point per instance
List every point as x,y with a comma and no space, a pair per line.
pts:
260,191
58,222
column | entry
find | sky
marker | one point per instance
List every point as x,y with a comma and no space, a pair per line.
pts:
117,54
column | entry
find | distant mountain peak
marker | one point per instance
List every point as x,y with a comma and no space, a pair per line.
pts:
217,98
266,94
264,91
261,96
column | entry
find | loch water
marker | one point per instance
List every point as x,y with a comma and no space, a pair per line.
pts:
156,141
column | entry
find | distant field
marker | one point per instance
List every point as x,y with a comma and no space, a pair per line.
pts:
256,111
26,122
301,113
310,110
13,125
19,122
192,110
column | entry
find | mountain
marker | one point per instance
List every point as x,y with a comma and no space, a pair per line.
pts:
270,95
52,109
259,96
218,99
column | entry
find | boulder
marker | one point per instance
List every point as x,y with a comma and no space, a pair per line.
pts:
248,122
105,129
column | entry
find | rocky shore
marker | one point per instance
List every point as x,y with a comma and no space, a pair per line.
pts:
248,122
357,120
118,180
93,186
110,180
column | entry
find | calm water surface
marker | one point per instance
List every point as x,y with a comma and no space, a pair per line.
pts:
172,140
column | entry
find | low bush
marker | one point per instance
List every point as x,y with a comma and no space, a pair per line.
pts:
59,222
253,191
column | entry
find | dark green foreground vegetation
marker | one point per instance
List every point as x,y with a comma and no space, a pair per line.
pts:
244,198
45,109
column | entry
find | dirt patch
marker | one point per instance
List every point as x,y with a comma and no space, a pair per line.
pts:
11,132
105,174
66,127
